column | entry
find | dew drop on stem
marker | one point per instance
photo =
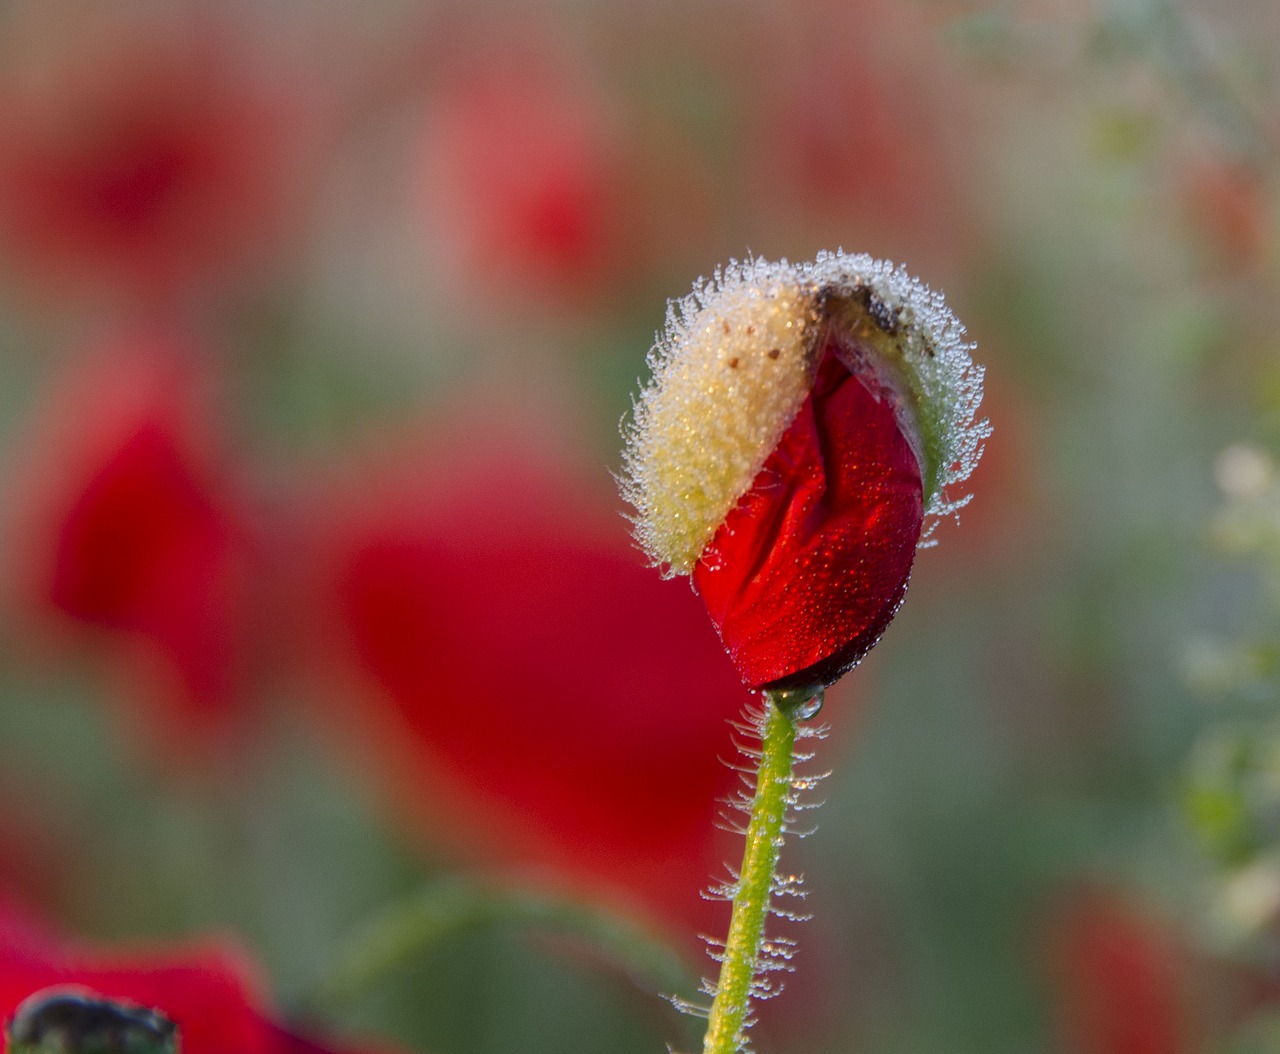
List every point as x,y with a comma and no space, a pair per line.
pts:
800,704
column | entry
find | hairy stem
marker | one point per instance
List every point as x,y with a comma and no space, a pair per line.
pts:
727,1021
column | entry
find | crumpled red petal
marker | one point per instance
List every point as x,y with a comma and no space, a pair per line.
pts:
809,568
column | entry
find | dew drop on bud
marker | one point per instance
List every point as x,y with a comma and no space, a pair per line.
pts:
712,559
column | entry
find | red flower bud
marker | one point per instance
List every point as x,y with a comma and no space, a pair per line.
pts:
797,440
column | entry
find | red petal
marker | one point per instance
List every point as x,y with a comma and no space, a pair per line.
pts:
807,571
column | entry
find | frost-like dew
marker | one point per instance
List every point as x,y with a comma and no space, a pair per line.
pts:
940,374
689,1007
736,801
724,823
734,364
789,915
809,782
763,988
789,886
723,889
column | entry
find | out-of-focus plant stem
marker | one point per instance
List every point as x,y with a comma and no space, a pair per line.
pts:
411,926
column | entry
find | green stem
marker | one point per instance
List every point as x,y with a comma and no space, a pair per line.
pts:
409,927
728,1017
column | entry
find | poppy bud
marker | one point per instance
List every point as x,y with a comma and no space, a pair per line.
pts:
795,447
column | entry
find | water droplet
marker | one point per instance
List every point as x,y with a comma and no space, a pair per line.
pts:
812,706
801,704
711,559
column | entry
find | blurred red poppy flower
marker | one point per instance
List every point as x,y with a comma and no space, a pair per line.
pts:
131,523
800,431
1122,982
525,181
141,157
210,989
1228,207
528,686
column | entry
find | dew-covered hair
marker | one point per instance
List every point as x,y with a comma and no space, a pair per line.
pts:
734,364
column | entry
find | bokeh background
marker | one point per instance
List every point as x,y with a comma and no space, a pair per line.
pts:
317,322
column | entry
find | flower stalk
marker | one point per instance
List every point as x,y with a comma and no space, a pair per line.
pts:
798,441
774,795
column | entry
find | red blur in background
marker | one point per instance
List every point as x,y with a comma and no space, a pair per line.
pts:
852,138
133,529
147,160
209,988
331,216
526,182
1123,982
526,684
